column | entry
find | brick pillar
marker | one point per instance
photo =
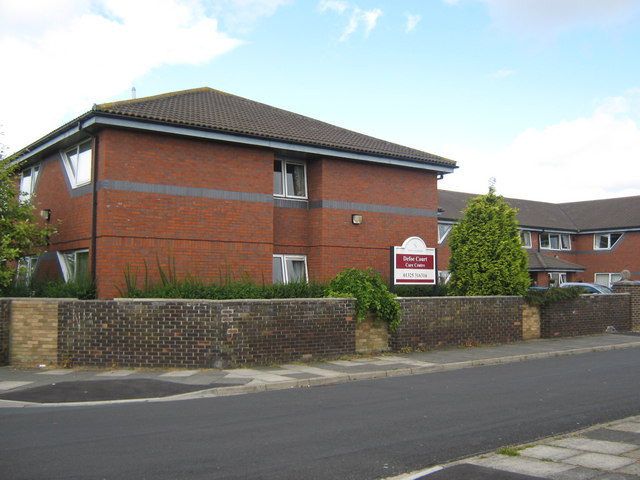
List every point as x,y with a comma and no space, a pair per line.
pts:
633,288
34,332
530,322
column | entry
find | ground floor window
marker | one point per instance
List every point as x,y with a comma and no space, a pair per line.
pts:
607,279
74,264
289,268
557,278
26,269
443,276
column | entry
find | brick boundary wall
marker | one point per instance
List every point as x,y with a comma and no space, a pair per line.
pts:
586,315
457,321
632,288
203,334
5,320
232,333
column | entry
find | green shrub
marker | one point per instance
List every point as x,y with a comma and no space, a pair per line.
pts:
81,289
370,292
189,287
548,296
420,290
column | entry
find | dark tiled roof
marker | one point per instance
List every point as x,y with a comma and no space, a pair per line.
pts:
606,214
540,262
219,111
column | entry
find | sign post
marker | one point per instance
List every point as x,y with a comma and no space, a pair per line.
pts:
413,263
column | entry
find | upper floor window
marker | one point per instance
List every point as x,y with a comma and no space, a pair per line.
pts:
555,241
28,180
605,241
525,239
77,161
289,268
289,179
75,265
443,231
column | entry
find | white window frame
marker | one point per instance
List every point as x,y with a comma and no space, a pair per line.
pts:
284,273
525,239
560,243
559,277
26,269
443,236
612,278
68,273
27,191
597,236
444,276
71,169
283,179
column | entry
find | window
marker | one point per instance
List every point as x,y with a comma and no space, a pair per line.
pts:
444,276
77,161
289,179
607,279
75,265
555,241
525,239
443,231
289,268
26,269
557,278
605,241
28,181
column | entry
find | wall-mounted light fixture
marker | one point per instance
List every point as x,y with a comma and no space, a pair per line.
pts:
356,219
46,214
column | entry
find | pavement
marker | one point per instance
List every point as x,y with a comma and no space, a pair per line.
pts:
603,452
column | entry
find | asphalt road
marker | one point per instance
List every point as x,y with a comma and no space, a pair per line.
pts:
360,430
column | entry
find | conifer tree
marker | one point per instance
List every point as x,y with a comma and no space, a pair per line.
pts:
487,257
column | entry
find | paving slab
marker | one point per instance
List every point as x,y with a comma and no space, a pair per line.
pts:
633,427
8,385
524,465
596,446
612,435
600,461
546,452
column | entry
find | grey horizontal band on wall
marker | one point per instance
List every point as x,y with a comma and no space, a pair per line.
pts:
373,208
175,190
154,188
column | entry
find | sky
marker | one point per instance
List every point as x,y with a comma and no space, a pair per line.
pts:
540,98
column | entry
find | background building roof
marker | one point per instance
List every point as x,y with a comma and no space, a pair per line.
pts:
593,215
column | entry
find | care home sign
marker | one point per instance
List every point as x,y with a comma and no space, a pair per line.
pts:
413,263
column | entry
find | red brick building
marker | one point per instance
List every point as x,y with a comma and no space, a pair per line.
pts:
591,241
221,185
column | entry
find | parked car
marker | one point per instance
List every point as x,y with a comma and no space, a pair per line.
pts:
588,287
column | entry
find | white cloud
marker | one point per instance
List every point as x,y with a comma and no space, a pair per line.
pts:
358,18
334,5
241,15
548,18
69,54
412,22
581,159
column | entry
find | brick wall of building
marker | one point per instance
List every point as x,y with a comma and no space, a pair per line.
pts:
453,321
203,334
586,315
